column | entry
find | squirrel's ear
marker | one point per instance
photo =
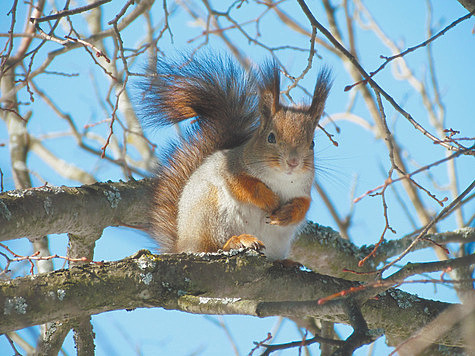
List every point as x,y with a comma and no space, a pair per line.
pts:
320,94
269,89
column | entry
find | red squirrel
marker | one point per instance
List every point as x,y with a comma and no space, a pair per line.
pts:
241,176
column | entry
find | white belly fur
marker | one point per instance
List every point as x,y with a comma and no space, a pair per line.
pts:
235,217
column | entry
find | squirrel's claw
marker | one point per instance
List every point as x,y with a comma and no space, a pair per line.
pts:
244,241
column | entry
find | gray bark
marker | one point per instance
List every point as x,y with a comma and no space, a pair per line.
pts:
80,211
468,4
236,283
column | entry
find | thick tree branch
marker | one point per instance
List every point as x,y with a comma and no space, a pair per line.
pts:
79,211
420,341
322,249
243,283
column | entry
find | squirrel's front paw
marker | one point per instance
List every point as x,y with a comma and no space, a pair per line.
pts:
282,216
243,241
291,213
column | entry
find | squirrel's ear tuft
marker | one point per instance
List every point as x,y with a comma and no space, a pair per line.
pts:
320,94
269,89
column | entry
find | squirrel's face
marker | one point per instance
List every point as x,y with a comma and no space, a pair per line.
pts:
286,142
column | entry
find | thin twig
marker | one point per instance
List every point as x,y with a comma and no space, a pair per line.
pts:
64,13
35,257
409,50
360,69
390,181
428,226
9,43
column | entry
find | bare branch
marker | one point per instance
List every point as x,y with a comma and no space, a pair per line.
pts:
426,228
390,181
410,49
64,13
356,64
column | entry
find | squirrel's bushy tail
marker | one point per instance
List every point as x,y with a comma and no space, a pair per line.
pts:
221,98
220,95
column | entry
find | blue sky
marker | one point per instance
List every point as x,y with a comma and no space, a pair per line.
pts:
360,158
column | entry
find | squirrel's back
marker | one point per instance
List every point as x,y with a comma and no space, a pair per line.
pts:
221,98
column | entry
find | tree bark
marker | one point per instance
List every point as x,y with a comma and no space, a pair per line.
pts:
468,4
229,283
81,211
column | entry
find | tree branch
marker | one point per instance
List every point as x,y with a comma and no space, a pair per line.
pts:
229,283
47,210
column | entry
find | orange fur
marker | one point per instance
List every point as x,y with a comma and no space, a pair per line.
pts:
208,243
251,190
291,213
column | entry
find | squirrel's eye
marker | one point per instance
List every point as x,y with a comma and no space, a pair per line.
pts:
312,145
271,138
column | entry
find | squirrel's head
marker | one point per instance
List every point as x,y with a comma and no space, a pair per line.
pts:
286,133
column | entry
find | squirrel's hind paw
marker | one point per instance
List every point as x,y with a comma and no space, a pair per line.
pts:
243,241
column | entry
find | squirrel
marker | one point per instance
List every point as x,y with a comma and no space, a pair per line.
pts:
241,174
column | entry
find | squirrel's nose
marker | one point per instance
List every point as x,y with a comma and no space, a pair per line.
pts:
292,162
